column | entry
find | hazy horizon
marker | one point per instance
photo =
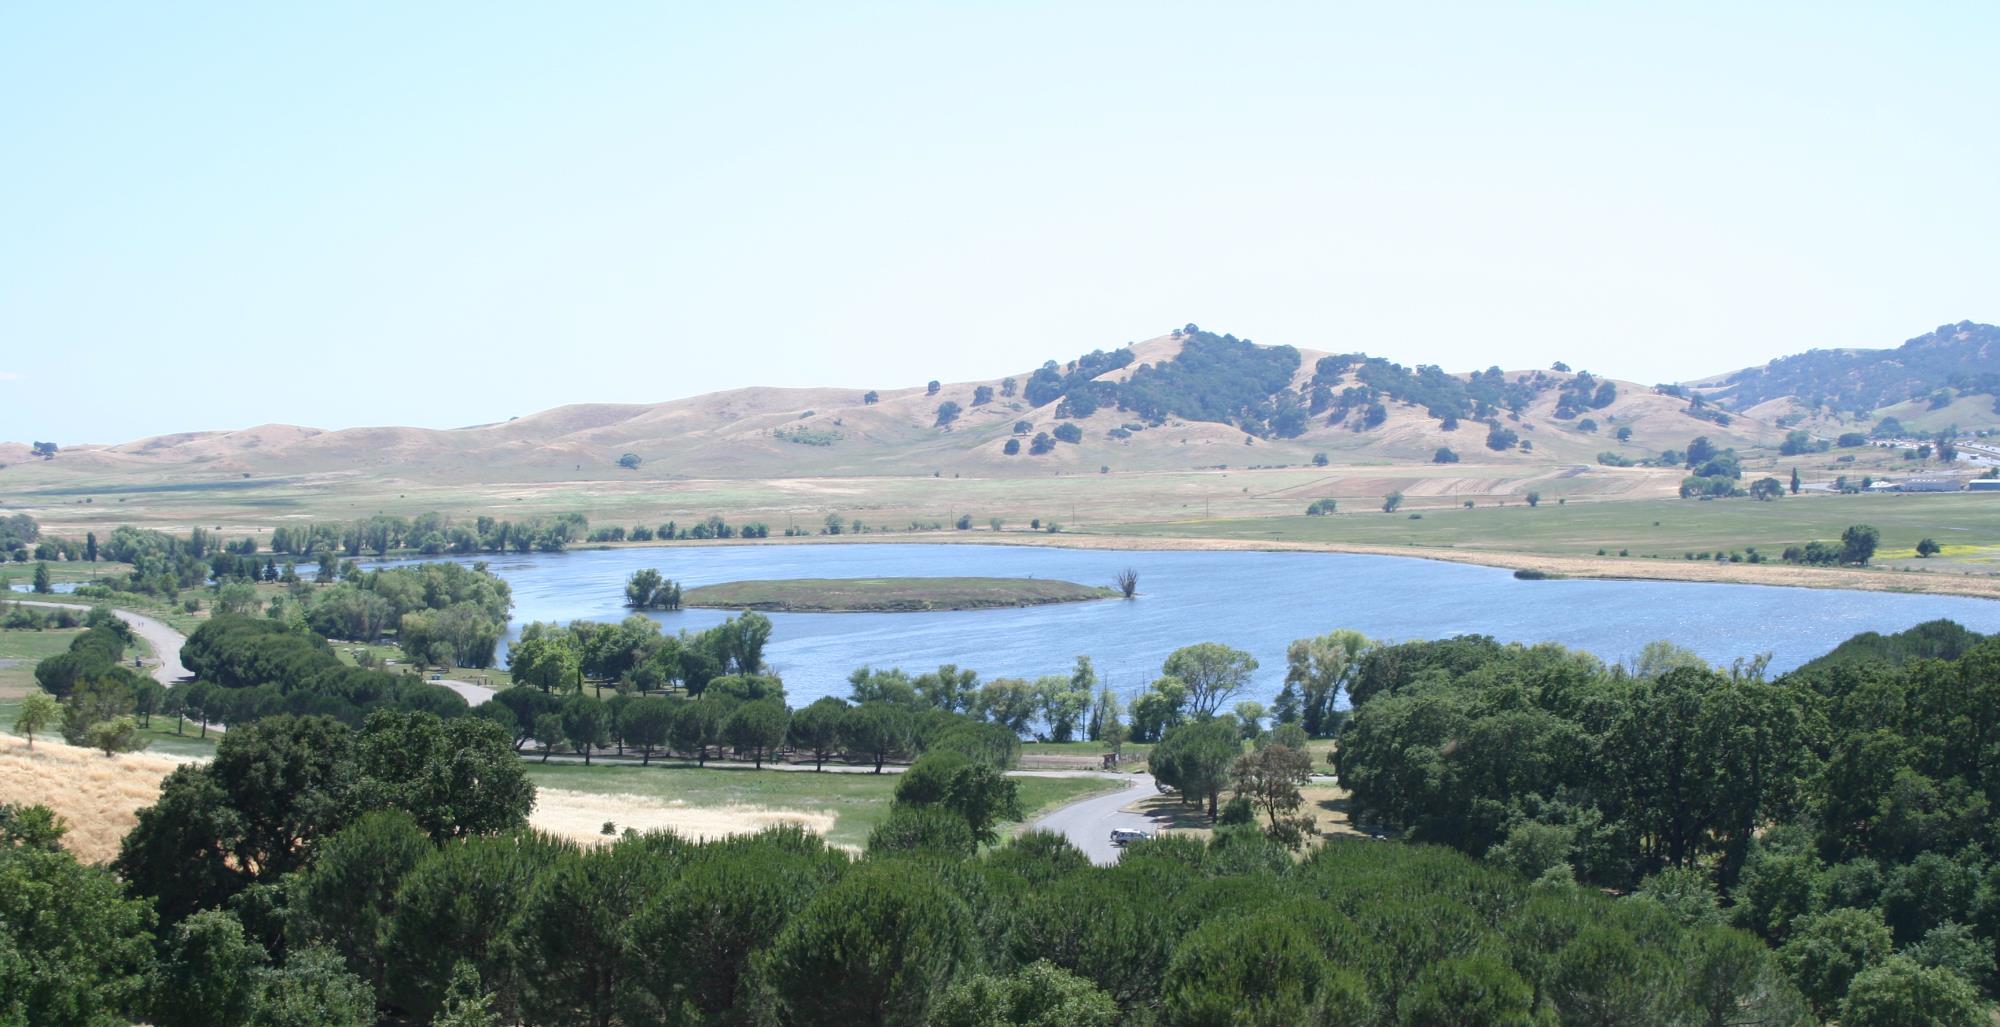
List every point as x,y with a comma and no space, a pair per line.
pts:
451,215
1605,371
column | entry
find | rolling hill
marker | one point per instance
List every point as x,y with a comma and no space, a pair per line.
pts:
1956,364
1189,399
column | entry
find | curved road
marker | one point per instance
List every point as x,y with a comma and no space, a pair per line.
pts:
1088,823
165,641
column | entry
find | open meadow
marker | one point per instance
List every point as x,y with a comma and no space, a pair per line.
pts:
713,801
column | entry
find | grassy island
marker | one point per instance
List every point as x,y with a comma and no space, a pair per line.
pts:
890,595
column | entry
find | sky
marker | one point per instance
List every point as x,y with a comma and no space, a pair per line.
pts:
439,214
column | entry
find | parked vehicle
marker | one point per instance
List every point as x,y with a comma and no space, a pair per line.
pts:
1126,835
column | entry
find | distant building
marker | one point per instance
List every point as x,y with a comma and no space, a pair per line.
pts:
1931,483
1983,485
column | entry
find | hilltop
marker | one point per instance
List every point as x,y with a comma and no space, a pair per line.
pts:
1186,400
1949,376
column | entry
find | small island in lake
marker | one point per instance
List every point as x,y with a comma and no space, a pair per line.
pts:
890,595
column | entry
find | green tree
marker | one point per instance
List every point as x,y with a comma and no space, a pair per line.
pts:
42,584
346,898
1857,544
1064,702
739,642
312,990
570,936
1901,993
38,711
1258,969
647,724
926,829
585,724
978,792
455,777
119,734
1700,760
881,946
1040,994
641,587
1270,777
1195,759
1391,501
698,726
1315,671
876,731
1795,481
757,728
1010,702
816,729
694,942
72,945
95,700
548,733
1826,953
207,976
1212,673
466,1003
548,662
1469,991
454,907
1928,548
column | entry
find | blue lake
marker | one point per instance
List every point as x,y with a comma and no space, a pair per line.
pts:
1254,601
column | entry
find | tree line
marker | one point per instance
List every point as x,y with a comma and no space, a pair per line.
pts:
1840,812
1810,847
393,880
430,534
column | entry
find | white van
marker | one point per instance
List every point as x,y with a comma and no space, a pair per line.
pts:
1126,835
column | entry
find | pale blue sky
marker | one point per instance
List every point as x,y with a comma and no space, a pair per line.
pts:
441,214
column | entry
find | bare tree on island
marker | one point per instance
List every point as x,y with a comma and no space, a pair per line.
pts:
1127,582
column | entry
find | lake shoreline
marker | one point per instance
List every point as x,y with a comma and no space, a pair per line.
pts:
1586,567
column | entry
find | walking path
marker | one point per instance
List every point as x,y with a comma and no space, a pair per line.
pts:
165,641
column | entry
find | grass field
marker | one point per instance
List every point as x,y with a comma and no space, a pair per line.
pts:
856,802
98,796
1262,499
21,650
1967,524
878,595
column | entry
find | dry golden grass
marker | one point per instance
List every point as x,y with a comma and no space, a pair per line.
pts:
580,816
98,796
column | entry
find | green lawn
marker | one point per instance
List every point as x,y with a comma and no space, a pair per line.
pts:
858,801
1967,524
21,650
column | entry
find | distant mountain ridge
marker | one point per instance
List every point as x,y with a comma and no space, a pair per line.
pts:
1189,399
1962,359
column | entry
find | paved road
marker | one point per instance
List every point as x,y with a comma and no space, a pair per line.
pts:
474,693
165,641
1088,823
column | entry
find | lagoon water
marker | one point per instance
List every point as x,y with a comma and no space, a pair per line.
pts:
1253,601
